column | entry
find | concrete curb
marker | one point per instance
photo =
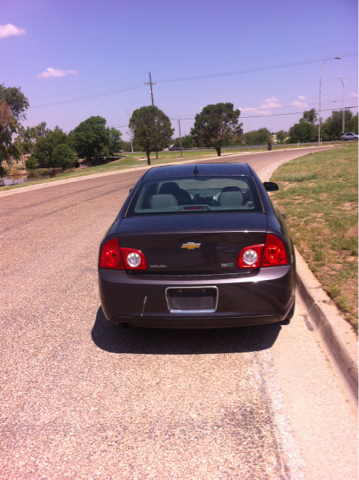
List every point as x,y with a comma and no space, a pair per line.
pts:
336,333
334,330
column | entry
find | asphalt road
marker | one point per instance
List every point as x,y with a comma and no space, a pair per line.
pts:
83,399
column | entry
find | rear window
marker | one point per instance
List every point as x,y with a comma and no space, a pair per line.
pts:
195,195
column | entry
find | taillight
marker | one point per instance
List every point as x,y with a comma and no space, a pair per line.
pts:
110,256
275,252
250,257
134,259
119,258
271,254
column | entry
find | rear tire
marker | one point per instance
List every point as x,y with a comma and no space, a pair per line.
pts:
289,316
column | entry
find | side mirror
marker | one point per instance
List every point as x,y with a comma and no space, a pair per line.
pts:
270,186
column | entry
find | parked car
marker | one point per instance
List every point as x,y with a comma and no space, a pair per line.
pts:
198,247
349,136
174,147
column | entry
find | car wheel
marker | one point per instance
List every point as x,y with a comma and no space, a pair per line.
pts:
289,316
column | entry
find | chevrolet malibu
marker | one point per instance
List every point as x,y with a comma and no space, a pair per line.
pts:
198,247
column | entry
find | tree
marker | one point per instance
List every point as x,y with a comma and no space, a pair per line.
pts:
281,136
63,157
27,137
31,163
305,130
257,137
333,125
152,129
91,139
216,124
13,105
187,141
45,146
352,125
310,116
114,141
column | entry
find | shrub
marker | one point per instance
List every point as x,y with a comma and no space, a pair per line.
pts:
31,163
63,157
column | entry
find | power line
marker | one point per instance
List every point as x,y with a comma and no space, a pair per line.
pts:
295,113
254,58
89,88
197,77
120,126
258,69
90,97
198,66
282,106
272,114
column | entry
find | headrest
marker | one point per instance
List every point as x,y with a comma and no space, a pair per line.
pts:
230,199
169,187
231,189
163,201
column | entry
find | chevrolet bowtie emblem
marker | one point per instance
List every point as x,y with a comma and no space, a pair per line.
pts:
191,245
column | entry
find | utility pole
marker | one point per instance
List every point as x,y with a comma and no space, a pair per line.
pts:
343,83
179,128
150,83
322,63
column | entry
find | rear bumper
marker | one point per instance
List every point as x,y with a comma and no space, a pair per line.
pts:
242,301
193,321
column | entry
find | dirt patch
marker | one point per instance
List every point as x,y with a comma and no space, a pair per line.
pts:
352,232
349,206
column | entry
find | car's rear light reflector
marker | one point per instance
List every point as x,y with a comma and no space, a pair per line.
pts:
194,208
271,254
250,257
119,258
275,252
110,256
134,259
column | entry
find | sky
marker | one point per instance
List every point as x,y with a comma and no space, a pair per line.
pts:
79,58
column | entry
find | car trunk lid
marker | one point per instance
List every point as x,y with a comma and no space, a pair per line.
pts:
192,243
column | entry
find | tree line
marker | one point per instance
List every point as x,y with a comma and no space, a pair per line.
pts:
216,126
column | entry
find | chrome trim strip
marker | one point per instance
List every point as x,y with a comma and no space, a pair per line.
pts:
191,288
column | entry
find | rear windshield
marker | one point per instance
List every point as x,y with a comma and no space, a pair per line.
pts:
195,195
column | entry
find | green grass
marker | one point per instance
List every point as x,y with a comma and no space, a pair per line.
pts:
139,160
319,195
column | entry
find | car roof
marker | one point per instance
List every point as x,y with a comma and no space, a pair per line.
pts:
203,169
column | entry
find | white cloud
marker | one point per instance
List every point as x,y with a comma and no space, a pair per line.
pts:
247,109
264,112
301,104
9,30
52,72
353,95
271,102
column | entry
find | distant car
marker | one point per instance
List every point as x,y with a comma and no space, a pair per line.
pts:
175,147
198,247
349,136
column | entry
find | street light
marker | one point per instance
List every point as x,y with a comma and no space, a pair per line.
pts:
343,83
127,132
322,63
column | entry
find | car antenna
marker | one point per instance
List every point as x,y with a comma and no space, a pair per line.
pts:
196,172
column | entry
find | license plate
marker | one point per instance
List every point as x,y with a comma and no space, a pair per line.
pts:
192,299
